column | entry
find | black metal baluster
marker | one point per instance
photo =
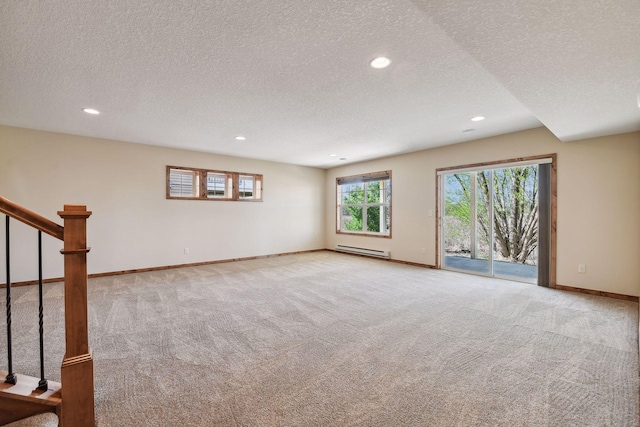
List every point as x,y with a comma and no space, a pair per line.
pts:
42,384
11,377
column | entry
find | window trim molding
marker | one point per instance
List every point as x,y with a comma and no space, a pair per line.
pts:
366,177
258,180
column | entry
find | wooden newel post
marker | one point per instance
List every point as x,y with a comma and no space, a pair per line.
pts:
77,407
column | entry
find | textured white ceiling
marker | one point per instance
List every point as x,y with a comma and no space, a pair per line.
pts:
575,64
293,76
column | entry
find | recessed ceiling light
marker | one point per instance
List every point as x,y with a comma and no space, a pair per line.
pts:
91,111
380,62
343,158
332,155
240,138
477,119
468,131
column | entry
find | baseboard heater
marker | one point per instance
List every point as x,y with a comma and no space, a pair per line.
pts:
363,251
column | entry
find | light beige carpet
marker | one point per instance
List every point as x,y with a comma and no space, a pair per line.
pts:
325,339
41,420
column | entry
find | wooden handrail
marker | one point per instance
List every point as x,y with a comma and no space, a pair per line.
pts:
30,218
76,407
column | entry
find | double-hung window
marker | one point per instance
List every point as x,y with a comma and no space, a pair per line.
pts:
364,204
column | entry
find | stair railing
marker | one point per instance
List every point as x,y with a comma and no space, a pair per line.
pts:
77,394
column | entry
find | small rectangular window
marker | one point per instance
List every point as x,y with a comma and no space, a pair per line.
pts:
183,183
204,184
218,186
246,189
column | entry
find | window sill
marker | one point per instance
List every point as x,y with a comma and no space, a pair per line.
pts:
355,233
214,199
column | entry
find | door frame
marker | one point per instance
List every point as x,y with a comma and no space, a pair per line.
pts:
520,161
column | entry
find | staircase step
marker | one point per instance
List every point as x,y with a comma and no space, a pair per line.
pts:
26,389
23,400
41,420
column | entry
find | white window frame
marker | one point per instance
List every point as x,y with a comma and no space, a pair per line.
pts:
256,187
227,185
177,184
383,176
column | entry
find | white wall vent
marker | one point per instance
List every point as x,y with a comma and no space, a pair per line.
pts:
363,251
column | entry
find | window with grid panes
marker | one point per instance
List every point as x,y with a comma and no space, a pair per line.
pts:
250,187
183,183
204,184
364,204
219,185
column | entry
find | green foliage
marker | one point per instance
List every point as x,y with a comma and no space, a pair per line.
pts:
355,213
515,210
355,221
458,202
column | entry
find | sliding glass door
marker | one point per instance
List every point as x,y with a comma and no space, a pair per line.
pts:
491,221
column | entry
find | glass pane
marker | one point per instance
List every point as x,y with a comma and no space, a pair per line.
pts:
351,218
183,183
464,207
246,187
378,219
373,192
352,193
216,187
515,208
483,226
378,192
457,215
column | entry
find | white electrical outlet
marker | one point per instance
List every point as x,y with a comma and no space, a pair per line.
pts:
582,268
430,212
186,250
423,250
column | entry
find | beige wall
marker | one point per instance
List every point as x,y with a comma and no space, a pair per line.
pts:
598,203
133,225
